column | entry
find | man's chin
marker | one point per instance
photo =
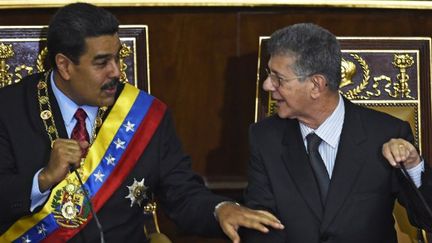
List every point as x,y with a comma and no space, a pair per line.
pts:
107,101
283,114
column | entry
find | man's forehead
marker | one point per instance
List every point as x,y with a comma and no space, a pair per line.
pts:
103,45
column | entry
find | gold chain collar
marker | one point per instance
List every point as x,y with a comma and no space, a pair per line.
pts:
47,115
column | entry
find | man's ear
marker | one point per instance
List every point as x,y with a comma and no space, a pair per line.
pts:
64,65
319,85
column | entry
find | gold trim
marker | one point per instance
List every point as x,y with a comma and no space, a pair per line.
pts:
257,85
381,4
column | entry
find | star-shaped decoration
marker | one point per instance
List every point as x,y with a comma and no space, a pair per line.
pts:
41,229
110,160
137,192
120,144
25,239
129,126
99,176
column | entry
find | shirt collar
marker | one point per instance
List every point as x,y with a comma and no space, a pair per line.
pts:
68,107
329,131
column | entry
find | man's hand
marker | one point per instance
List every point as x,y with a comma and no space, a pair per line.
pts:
231,216
398,151
65,152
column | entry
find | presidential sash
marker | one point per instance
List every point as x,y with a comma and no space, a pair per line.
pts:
123,137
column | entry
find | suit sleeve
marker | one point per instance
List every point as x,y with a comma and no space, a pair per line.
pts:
15,183
182,193
259,194
418,203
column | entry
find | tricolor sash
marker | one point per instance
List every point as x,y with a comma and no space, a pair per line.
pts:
124,135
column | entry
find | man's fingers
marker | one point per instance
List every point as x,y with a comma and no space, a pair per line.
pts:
388,154
398,151
232,216
270,216
269,219
231,232
84,144
259,220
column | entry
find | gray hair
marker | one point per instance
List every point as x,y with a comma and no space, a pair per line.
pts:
317,51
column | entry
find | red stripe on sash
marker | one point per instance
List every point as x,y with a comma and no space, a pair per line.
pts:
132,153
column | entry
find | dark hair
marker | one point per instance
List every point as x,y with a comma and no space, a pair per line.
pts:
316,50
72,24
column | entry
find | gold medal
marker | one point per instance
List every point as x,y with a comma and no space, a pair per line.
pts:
98,121
52,129
45,114
69,207
43,100
41,85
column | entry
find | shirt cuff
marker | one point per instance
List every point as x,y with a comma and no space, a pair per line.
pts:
37,197
220,205
416,173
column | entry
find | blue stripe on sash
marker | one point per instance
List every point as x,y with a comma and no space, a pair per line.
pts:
135,116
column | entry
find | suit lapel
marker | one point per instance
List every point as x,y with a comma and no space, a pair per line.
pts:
348,163
297,163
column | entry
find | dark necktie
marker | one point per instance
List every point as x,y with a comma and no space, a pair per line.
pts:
318,167
79,132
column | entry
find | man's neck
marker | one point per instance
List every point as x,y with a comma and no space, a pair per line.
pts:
321,110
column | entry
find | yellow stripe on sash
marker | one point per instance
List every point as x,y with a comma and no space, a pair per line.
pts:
95,155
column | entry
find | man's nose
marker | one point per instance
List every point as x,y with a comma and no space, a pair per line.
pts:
268,84
115,69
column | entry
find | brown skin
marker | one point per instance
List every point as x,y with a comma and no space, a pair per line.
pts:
231,216
86,83
310,100
398,151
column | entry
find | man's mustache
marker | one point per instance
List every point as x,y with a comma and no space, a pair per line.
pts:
114,82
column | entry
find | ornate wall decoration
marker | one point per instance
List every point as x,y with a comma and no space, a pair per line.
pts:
125,52
6,52
388,82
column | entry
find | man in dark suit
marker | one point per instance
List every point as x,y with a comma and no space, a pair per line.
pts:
319,165
77,123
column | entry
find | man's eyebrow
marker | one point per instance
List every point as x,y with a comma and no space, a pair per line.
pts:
101,56
106,56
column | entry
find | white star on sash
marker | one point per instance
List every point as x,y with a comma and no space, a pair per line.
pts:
129,126
41,229
99,176
25,239
110,160
120,144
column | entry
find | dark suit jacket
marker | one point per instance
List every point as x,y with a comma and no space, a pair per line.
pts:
362,190
25,148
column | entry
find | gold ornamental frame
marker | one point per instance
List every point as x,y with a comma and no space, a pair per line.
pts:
387,4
